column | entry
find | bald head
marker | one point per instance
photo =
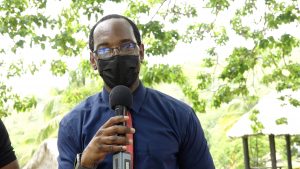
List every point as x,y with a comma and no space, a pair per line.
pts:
113,32
114,16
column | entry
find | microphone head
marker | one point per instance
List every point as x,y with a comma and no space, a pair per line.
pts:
120,95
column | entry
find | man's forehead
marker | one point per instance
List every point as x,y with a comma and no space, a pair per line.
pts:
113,23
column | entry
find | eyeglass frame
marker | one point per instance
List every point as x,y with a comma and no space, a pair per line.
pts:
112,50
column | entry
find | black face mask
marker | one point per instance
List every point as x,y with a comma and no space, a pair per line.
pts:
119,70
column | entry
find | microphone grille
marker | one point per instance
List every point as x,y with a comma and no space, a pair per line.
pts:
120,95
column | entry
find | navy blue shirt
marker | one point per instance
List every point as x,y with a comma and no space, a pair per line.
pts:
168,133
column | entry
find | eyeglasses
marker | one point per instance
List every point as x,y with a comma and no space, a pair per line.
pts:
127,48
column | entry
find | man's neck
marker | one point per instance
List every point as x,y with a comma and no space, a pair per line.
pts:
134,86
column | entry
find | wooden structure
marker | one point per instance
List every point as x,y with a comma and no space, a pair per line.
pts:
271,112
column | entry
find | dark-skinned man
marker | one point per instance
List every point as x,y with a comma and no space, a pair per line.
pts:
166,132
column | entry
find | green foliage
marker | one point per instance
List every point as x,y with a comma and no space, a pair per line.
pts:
294,102
267,51
282,120
222,95
47,119
240,61
258,150
217,5
15,69
287,77
69,38
74,95
53,112
197,32
256,126
226,152
21,105
161,73
58,67
284,14
204,80
219,81
137,7
181,10
66,42
161,42
25,28
4,98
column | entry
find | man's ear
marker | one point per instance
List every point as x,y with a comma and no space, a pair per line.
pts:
142,52
93,61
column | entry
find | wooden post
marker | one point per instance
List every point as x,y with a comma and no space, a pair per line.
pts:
246,152
288,151
273,151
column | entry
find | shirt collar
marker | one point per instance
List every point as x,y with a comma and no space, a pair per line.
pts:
138,97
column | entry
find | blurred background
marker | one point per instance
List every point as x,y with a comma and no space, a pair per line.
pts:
225,58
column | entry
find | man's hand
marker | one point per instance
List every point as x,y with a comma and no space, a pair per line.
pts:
110,138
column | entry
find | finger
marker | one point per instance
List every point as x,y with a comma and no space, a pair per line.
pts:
115,130
115,120
111,122
115,140
118,130
111,148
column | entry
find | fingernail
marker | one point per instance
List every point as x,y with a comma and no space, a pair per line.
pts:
124,148
132,130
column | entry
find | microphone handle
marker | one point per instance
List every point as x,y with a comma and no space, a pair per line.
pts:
122,160
121,111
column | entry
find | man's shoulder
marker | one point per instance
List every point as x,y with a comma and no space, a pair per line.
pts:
168,100
175,111
81,109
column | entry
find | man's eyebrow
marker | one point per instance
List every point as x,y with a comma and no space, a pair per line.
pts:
122,41
127,40
101,44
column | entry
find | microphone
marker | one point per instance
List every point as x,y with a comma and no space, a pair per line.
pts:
120,100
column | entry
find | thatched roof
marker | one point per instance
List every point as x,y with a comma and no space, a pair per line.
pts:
271,109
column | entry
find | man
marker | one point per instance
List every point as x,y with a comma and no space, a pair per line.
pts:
8,158
166,132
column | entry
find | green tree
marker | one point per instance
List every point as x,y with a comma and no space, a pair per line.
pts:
252,46
27,23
